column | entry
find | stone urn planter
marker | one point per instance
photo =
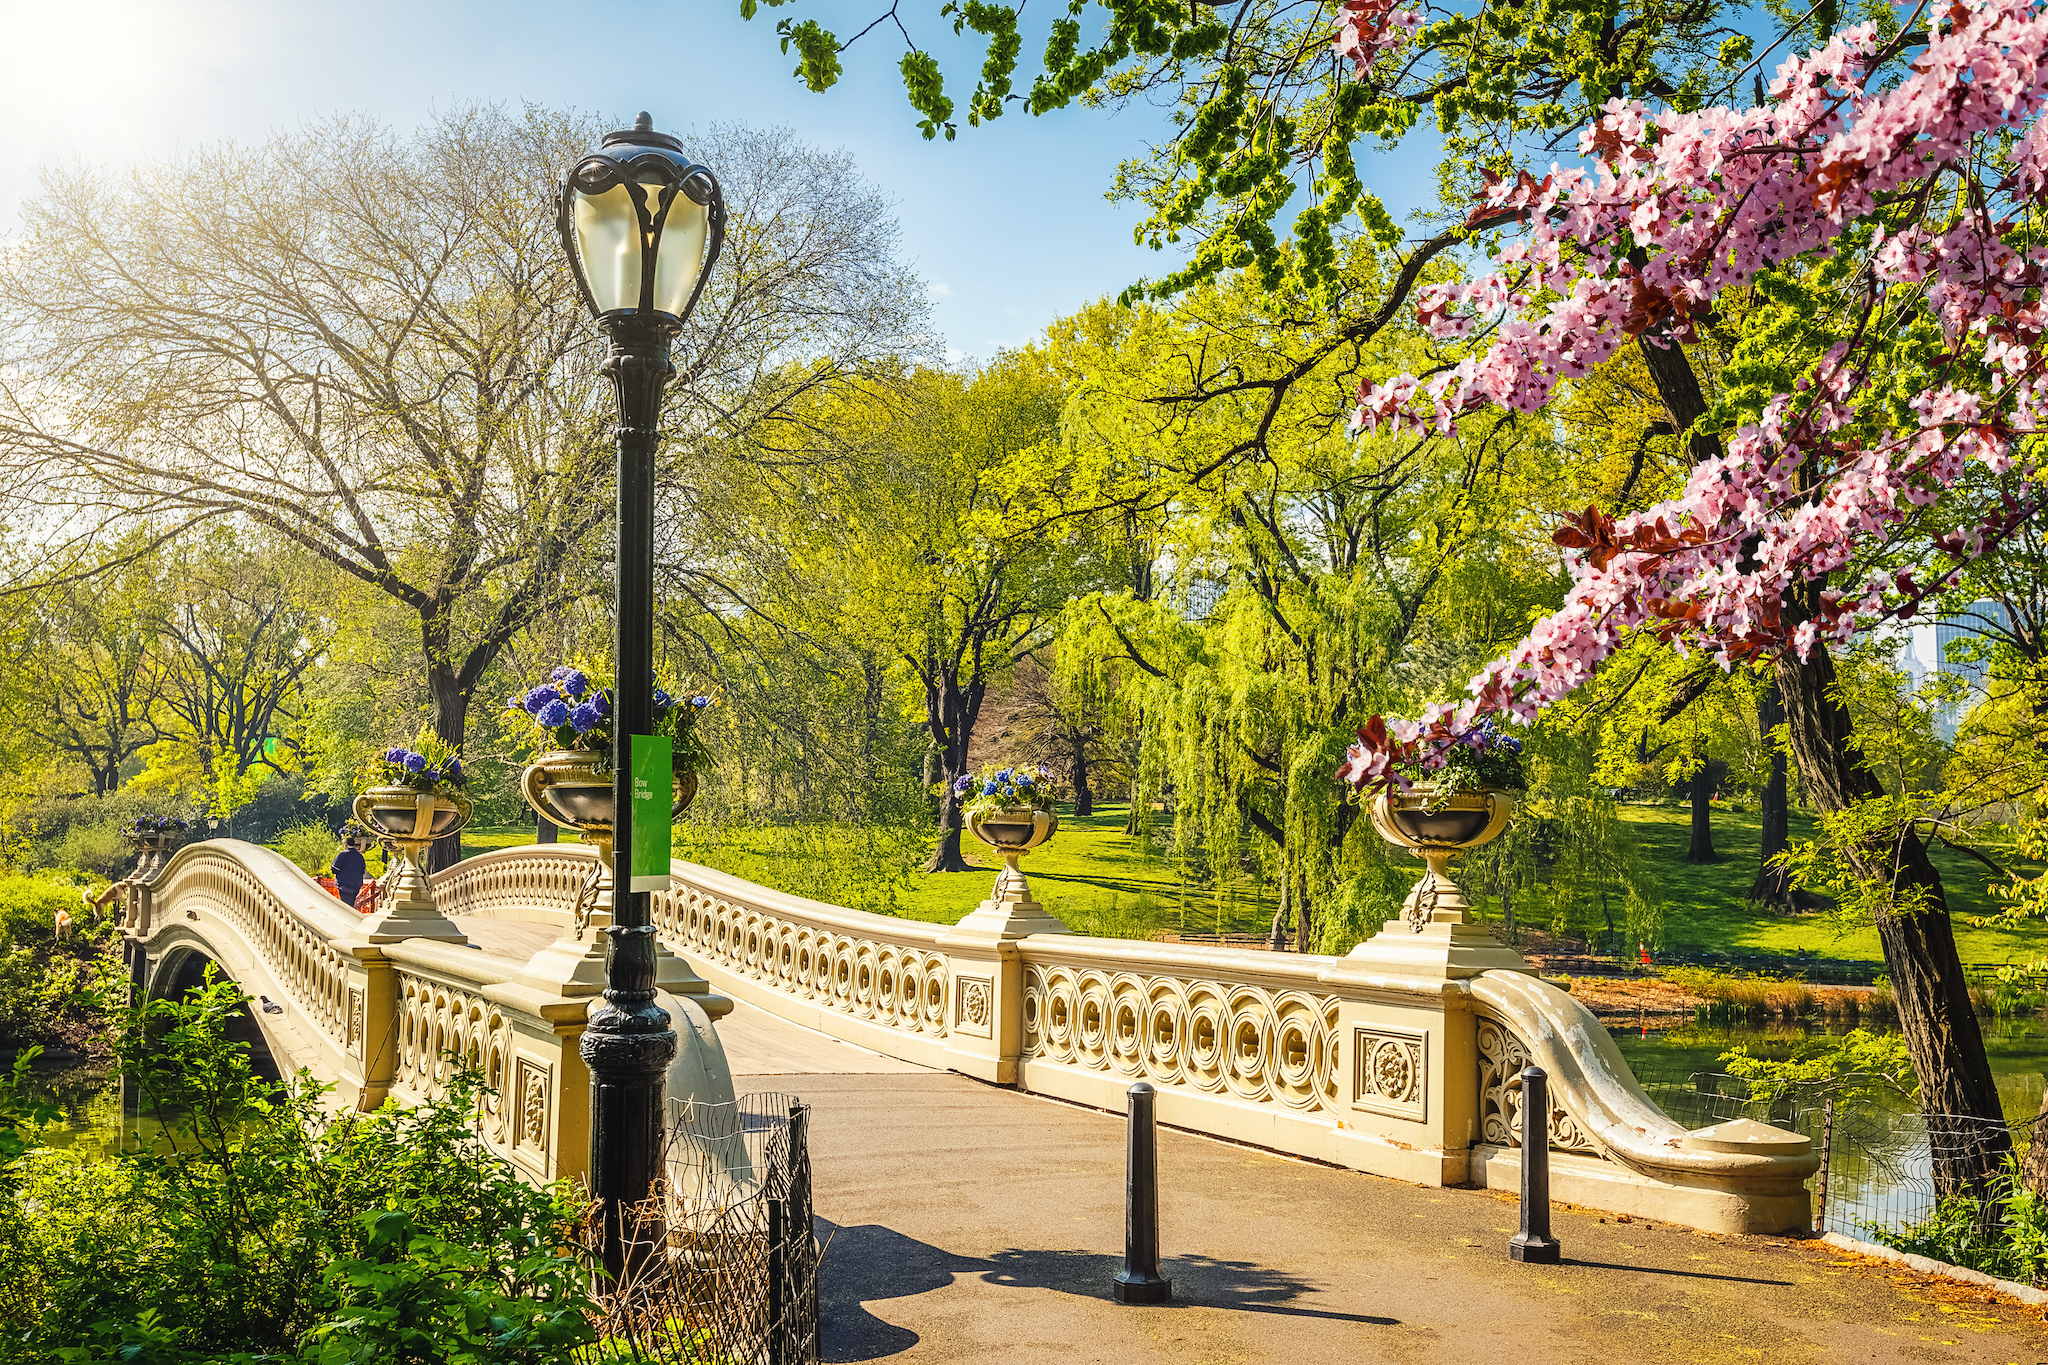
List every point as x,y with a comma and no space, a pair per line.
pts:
568,788
1014,832
1011,911
1437,829
150,851
408,821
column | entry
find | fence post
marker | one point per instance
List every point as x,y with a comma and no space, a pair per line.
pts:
1827,1159
1533,1244
1140,1280
777,1291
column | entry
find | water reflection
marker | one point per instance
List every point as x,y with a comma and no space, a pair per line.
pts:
90,1097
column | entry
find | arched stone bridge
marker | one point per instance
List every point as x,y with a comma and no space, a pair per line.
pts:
1398,1059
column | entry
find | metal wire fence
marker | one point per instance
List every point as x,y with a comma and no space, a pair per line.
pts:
1952,1187
727,1265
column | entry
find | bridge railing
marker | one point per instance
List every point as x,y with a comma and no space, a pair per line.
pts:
1336,1058
377,1019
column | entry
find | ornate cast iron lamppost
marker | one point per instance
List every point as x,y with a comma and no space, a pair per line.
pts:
642,225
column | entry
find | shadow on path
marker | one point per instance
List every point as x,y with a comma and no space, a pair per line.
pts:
867,1263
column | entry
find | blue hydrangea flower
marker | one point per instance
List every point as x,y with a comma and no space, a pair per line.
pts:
700,702
961,784
413,762
537,700
602,700
574,683
431,774
554,714
989,789
454,770
585,716
559,672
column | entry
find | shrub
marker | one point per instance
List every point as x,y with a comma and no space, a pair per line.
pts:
2003,1232
262,1224
310,846
95,847
57,996
29,906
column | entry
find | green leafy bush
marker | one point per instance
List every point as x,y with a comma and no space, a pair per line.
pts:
310,846
2003,1232
262,1225
96,847
29,906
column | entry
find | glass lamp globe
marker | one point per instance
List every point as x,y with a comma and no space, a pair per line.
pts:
642,224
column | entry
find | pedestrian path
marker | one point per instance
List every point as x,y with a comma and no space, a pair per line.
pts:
967,1222
758,1043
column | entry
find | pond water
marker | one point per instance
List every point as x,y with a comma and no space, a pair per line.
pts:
2017,1047
90,1097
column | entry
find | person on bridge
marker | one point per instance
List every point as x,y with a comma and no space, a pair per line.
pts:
349,870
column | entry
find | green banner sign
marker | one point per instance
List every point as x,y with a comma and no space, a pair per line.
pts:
653,803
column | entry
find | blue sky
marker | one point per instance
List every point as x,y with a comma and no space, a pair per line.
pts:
1008,224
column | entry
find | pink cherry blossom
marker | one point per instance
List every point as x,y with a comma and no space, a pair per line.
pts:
1712,199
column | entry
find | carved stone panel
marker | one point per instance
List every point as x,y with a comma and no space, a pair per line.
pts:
530,1120
1501,1058
355,1022
974,1005
1390,1070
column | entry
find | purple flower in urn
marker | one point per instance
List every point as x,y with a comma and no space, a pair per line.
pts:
537,700
574,683
553,715
586,716
413,762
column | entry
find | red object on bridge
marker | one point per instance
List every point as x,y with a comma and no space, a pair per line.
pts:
1643,956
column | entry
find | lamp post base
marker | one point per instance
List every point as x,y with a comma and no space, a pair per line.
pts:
1534,1250
1129,1289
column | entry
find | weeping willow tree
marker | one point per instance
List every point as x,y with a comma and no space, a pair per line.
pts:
1300,571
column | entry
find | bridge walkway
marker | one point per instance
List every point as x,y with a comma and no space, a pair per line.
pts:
968,1222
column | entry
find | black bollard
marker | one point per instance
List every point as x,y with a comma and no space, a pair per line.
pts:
1534,1244
1141,1281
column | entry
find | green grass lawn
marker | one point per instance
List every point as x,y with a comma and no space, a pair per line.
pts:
1104,882
1704,906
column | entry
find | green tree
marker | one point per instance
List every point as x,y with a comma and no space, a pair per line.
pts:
381,358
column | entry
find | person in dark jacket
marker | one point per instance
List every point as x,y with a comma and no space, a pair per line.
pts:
349,870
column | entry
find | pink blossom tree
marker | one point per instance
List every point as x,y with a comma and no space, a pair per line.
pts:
1888,455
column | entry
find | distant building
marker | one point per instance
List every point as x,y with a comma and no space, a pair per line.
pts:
1923,652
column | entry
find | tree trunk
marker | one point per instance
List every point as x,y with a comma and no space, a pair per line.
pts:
1702,848
450,698
1133,825
1304,921
1773,887
951,710
1276,936
1958,1093
1084,800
